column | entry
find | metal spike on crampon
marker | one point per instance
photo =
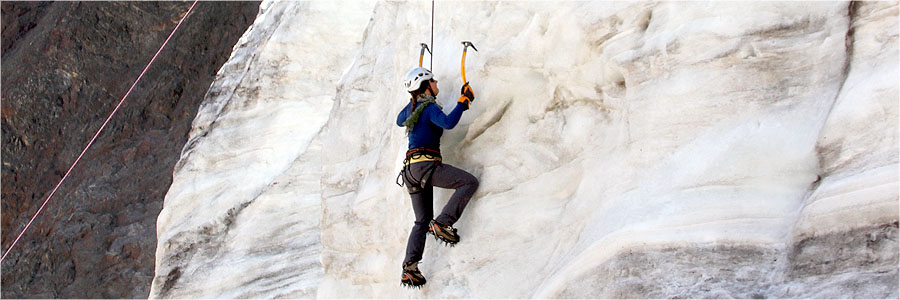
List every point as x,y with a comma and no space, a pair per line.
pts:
442,241
410,285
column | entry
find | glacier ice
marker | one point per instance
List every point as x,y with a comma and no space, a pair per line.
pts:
624,149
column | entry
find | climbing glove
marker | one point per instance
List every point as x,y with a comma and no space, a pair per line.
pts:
467,96
466,90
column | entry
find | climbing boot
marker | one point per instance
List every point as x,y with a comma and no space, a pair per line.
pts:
444,233
411,277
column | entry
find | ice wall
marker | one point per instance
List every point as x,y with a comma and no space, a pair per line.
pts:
241,218
673,149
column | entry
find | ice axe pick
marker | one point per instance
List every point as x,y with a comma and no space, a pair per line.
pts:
422,53
466,45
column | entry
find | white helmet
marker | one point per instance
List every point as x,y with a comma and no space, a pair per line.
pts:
415,77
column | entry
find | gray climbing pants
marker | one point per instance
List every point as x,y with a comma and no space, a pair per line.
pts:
443,176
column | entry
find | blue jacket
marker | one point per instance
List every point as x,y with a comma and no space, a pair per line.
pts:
428,130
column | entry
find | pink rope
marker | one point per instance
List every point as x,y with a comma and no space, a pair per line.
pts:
98,131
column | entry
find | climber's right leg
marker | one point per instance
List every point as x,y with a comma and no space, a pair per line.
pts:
447,176
465,184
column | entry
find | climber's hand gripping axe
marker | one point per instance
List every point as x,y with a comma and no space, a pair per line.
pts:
422,53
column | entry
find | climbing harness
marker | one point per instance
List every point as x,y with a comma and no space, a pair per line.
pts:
417,155
99,130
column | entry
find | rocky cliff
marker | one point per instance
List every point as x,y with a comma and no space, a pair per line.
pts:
65,66
625,150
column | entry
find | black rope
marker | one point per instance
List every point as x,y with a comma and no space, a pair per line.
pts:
431,60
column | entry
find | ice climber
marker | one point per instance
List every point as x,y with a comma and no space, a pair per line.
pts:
422,169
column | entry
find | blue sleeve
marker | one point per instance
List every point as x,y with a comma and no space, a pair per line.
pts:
404,114
445,121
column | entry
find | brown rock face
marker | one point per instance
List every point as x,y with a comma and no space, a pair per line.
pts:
65,65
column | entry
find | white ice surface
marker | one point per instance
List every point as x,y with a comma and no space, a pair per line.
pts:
598,128
248,156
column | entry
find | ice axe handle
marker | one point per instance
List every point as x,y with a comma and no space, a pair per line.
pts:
466,45
422,52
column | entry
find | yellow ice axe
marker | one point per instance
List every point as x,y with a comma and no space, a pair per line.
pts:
466,45
422,53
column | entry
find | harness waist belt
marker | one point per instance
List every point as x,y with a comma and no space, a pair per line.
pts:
421,155
422,158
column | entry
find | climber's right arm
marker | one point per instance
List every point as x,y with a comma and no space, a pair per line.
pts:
449,121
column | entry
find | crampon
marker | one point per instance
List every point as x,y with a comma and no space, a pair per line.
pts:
444,233
411,277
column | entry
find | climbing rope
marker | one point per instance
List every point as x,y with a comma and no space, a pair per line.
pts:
98,131
431,60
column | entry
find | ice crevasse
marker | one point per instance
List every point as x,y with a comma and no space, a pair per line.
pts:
624,150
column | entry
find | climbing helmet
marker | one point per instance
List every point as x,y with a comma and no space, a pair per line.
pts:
415,77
